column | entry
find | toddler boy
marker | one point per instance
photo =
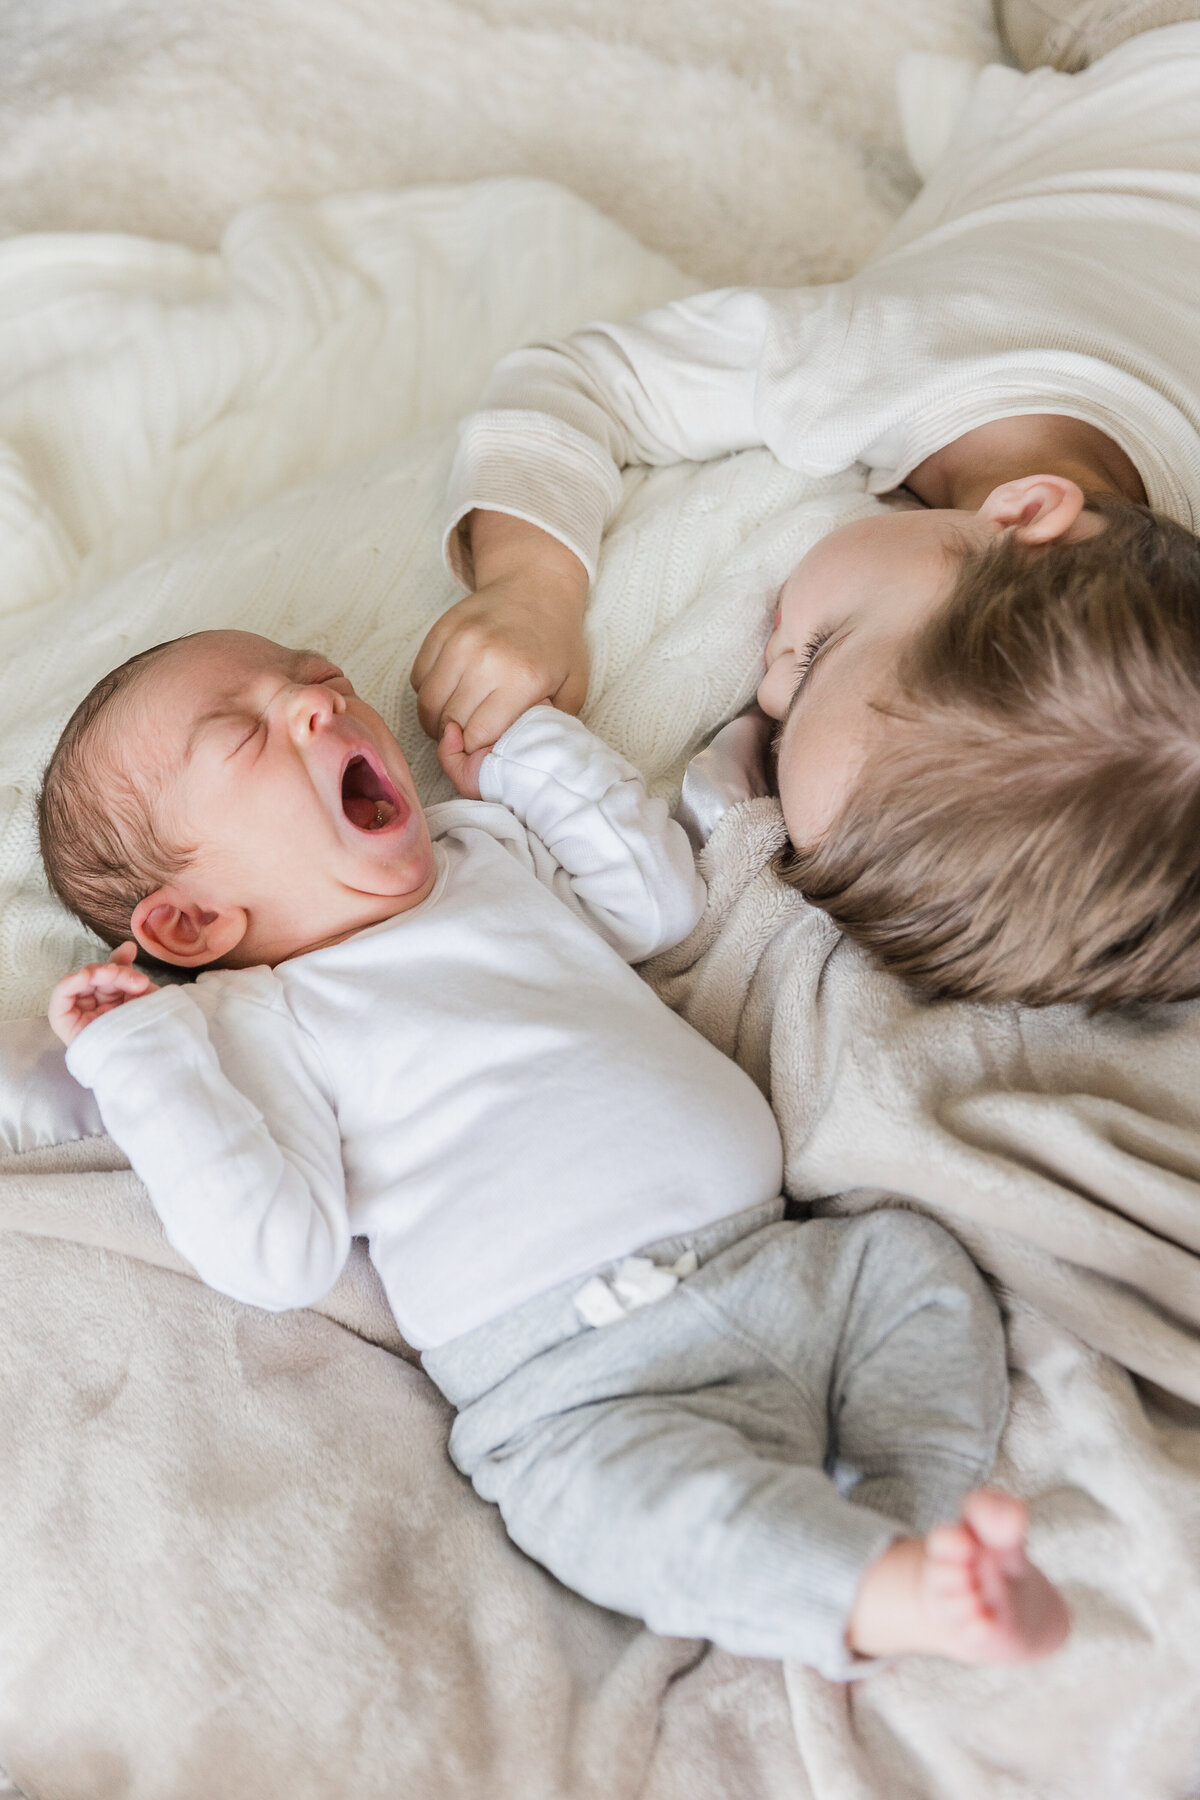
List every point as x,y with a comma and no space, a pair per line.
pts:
422,1028
989,706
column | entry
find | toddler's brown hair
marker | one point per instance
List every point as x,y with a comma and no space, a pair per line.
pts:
1032,830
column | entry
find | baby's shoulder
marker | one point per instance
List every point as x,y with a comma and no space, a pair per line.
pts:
225,993
478,827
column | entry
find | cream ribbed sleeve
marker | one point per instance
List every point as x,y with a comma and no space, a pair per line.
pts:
1051,265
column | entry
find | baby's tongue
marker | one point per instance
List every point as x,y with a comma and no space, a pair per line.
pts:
361,811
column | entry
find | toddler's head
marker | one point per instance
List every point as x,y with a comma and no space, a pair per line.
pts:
223,799
989,750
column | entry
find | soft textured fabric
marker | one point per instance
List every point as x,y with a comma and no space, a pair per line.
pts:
728,1459
1064,1150
1015,284
480,1086
40,1103
235,1556
758,143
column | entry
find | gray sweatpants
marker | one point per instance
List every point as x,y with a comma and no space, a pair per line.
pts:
725,1461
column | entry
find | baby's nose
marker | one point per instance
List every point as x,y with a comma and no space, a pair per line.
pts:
311,709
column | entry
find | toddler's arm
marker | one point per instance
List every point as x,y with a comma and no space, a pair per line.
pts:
597,838
558,422
256,1204
537,476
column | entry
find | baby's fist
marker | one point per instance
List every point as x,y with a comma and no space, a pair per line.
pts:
462,769
95,990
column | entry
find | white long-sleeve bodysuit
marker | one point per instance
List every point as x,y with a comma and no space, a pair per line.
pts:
1051,265
481,1086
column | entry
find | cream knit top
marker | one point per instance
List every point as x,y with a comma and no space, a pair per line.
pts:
1051,265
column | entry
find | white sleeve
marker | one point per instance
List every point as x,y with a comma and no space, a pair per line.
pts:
559,421
615,854
243,1163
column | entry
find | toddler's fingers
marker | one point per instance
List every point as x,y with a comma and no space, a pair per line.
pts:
437,696
493,715
464,701
431,649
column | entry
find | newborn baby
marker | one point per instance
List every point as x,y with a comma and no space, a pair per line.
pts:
422,1028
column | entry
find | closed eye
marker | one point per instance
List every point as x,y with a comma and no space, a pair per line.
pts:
807,658
246,738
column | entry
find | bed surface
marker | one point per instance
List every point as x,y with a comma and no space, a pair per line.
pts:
236,1558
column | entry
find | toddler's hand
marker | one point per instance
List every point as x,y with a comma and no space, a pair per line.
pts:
463,769
517,640
95,990
503,649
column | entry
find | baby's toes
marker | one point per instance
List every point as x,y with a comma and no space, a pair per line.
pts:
950,1547
963,1606
997,1519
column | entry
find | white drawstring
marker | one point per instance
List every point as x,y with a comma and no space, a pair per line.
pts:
637,1282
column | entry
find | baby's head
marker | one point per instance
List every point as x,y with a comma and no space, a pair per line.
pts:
225,800
989,750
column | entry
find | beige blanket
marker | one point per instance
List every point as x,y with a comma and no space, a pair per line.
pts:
237,1560
1065,1152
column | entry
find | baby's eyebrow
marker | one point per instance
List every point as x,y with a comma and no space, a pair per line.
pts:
300,657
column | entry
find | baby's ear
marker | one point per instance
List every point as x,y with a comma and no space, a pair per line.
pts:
176,928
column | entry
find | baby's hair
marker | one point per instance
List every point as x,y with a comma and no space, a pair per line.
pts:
1030,830
101,845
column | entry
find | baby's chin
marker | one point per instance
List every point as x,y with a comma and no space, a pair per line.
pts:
281,939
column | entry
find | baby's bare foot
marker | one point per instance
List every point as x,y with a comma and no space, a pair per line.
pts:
966,1591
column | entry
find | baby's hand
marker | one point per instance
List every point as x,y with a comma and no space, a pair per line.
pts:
462,769
95,990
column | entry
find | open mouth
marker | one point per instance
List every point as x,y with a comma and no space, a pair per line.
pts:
369,800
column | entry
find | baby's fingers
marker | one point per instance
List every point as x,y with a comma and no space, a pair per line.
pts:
99,981
462,769
119,978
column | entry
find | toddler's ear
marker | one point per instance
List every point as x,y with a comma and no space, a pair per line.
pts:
174,927
1037,508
